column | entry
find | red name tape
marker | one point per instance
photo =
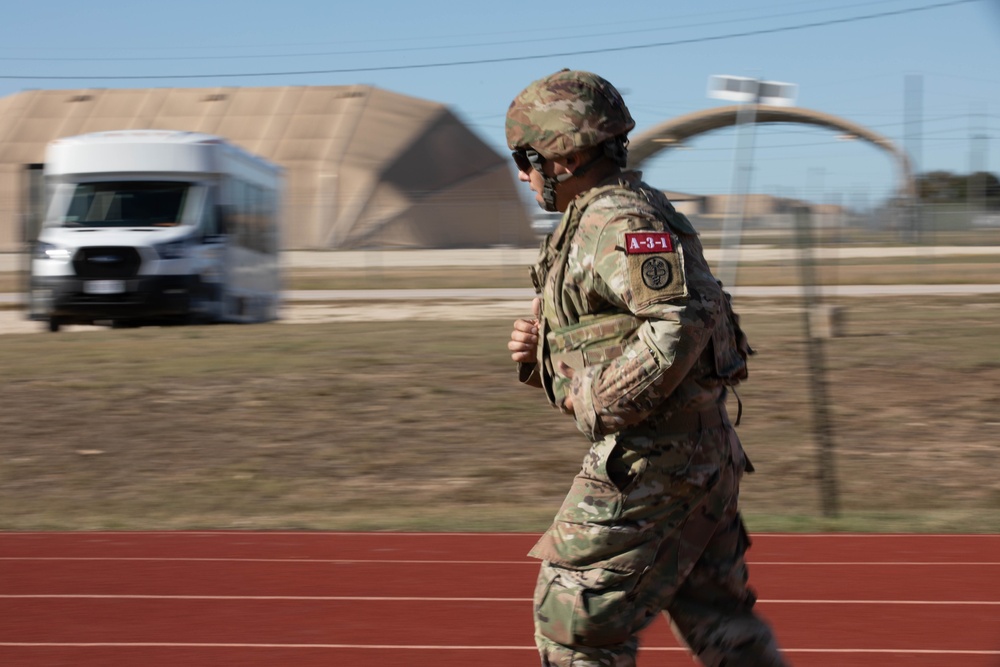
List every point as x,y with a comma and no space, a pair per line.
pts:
648,242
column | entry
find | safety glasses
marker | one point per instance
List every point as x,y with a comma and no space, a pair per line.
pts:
527,159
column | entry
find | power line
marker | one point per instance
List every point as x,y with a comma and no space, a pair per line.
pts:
604,34
488,61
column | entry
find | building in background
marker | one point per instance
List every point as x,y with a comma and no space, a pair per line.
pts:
365,167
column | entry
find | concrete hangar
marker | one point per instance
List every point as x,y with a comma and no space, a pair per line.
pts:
364,167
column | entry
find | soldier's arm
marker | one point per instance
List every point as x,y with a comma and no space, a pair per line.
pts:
625,391
656,356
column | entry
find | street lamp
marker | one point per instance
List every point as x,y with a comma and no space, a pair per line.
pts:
749,93
745,89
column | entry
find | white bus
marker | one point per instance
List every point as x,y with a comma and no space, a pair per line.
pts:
156,227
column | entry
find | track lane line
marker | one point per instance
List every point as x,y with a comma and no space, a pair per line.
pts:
452,647
333,561
417,598
267,533
347,561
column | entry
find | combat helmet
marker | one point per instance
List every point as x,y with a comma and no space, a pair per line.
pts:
565,113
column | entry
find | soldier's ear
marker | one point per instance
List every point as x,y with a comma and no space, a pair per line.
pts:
572,162
563,167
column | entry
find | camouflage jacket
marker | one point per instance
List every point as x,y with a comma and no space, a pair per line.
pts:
634,326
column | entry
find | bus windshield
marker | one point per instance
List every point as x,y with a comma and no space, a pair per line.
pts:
126,204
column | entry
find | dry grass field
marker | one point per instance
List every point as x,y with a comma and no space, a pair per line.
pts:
420,424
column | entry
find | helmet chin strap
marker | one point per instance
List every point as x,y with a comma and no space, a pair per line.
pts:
549,183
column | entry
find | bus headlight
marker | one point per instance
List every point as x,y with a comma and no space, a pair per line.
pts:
172,250
45,250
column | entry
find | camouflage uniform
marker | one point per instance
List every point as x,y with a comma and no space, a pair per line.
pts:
638,332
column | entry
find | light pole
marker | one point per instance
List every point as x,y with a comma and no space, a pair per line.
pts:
749,93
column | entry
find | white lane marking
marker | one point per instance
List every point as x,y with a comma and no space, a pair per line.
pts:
890,602
336,561
908,651
244,534
238,534
782,563
827,563
298,598
418,598
426,647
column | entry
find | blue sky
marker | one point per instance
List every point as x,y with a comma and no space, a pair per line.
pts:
848,58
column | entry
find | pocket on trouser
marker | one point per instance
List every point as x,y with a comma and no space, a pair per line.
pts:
588,530
597,494
681,475
591,608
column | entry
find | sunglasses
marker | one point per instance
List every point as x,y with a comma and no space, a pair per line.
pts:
527,159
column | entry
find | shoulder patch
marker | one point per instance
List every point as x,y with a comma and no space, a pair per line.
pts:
654,267
642,243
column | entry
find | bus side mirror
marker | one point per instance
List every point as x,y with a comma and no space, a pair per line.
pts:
221,219
219,234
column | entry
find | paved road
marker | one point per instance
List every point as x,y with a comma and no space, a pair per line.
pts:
302,307
748,291
403,304
352,259
525,294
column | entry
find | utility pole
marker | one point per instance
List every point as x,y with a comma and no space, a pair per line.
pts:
816,358
913,105
976,183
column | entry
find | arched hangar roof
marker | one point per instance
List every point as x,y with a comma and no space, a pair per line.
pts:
364,167
674,132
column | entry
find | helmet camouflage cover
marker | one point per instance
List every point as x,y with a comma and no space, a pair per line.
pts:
565,113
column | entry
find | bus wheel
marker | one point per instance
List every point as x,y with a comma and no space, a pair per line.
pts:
54,324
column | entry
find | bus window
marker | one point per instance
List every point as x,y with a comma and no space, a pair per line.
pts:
126,204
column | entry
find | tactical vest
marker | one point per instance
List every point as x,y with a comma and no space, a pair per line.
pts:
596,339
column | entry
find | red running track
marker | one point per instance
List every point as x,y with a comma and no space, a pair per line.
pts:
412,599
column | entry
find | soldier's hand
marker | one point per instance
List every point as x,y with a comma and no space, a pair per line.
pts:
523,343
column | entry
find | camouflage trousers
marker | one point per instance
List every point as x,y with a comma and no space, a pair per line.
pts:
651,526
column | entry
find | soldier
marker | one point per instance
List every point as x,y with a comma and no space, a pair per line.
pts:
636,340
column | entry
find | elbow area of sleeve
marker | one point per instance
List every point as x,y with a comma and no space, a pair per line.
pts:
585,413
632,385
664,338
647,357
675,348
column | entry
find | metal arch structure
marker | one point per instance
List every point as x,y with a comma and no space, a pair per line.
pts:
674,132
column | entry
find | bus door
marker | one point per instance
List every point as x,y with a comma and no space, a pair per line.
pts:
209,263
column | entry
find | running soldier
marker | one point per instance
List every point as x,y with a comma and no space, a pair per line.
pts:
636,340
